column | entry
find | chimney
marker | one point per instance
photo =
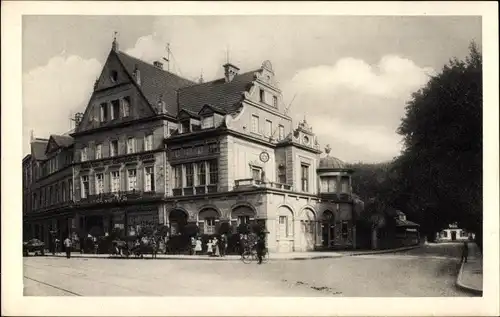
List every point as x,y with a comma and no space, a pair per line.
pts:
137,75
158,64
230,71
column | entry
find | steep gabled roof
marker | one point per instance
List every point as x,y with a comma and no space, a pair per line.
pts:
217,93
155,81
62,140
38,147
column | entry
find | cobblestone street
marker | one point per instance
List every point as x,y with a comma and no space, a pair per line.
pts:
427,271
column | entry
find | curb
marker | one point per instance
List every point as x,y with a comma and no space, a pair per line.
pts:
464,287
384,251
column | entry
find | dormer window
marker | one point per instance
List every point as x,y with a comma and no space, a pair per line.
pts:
114,76
207,122
185,126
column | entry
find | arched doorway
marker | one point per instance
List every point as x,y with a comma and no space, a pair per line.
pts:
328,228
242,215
284,230
208,219
177,219
308,229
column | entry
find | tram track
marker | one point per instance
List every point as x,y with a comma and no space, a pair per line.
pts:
53,286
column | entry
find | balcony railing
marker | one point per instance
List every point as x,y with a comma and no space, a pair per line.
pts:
336,196
120,197
196,190
250,182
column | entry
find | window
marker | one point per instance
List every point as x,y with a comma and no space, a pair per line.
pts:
304,177
207,122
56,200
126,106
256,173
70,186
345,230
243,220
33,203
98,151
104,112
113,76
283,226
185,125
345,185
148,142
213,148
189,175
114,148
282,177
202,175
85,186
281,132
275,102
115,181
99,183
84,153
262,95
269,128
132,179
130,145
329,184
445,234
149,179
209,226
178,176
63,192
213,170
255,124
115,109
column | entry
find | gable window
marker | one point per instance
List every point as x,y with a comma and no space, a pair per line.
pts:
201,174
213,170
115,181
104,112
281,132
189,175
114,148
98,151
132,179
269,128
177,176
99,183
262,95
207,122
85,186
255,124
148,142
113,76
84,154
275,102
185,125
130,145
115,109
126,106
304,169
149,179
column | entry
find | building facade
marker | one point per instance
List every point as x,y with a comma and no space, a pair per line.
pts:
454,233
154,148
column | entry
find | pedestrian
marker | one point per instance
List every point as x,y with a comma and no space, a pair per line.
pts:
465,252
223,245
67,245
193,245
197,247
216,247
260,248
209,247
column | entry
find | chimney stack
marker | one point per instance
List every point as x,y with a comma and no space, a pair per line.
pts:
137,75
230,71
158,64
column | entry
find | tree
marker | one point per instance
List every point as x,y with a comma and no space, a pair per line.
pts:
440,167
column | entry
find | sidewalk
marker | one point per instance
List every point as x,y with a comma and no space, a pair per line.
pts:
470,276
273,256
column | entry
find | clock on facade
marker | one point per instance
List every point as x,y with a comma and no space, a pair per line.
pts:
264,157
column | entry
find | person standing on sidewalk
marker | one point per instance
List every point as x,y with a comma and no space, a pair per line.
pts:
67,245
465,252
260,247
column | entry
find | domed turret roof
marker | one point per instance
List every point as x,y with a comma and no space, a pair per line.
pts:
330,162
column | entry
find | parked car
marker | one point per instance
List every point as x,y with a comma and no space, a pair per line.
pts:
33,245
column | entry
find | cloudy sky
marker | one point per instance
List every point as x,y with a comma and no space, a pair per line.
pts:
351,75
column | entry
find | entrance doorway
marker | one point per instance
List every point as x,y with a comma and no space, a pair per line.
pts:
177,219
453,235
328,228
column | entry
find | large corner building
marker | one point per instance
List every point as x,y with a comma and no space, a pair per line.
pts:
152,147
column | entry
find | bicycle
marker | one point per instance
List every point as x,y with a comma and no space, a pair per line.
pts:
251,255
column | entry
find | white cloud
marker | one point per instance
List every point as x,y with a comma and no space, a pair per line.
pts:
54,91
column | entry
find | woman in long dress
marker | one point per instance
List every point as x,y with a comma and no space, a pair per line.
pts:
216,245
197,247
209,247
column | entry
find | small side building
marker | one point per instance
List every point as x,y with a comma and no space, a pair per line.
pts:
454,233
